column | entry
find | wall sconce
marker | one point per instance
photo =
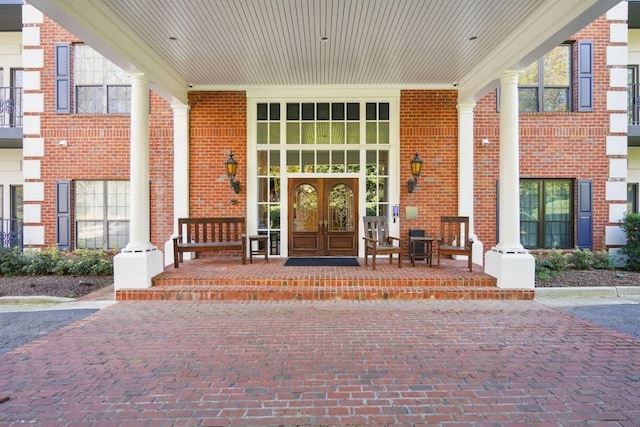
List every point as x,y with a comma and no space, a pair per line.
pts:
232,167
416,168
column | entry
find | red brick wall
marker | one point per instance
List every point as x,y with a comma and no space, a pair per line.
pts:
429,125
552,145
218,124
98,147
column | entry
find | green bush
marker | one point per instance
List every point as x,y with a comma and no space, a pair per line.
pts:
602,260
631,227
52,261
11,262
550,264
580,259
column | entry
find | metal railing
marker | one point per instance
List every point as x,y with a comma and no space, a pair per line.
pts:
10,233
10,107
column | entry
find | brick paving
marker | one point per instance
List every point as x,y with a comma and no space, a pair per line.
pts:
336,363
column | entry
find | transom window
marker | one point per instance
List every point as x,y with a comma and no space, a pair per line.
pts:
545,85
100,86
101,214
546,218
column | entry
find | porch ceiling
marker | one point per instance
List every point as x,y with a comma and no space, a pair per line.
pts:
238,44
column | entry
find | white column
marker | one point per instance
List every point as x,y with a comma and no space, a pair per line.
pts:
508,261
140,260
180,174
139,169
465,175
509,196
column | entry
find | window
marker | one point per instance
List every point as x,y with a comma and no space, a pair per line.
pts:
632,198
633,95
546,217
100,86
101,214
545,85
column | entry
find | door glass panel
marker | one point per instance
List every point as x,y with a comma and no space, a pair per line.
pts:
340,209
305,208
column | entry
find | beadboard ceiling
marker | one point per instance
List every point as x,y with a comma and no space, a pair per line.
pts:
258,43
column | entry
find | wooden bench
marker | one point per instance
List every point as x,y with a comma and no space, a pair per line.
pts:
209,234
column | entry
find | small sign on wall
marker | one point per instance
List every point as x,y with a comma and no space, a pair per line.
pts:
411,212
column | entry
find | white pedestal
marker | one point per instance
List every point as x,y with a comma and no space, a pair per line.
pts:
478,253
168,252
514,270
134,269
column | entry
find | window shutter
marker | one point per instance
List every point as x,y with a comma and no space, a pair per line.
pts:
585,75
63,214
585,214
63,78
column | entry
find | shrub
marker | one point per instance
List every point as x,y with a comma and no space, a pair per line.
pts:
52,261
91,263
580,259
602,260
40,263
631,227
11,262
551,264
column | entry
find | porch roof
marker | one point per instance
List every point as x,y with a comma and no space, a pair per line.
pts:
239,44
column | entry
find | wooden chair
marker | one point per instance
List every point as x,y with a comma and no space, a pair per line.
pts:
454,238
378,242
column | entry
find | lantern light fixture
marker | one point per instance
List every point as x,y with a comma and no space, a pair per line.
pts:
416,168
232,168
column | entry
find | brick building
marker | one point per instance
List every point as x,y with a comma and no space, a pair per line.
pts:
537,159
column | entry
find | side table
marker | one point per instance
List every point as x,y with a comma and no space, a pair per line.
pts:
262,246
428,249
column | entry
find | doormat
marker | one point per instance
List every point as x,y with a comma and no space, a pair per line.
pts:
322,262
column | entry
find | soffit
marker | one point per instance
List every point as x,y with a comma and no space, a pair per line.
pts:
254,43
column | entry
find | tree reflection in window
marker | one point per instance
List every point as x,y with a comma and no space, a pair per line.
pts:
305,208
341,208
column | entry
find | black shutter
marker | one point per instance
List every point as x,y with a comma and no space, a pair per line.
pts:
585,214
63,78
585,75
63,214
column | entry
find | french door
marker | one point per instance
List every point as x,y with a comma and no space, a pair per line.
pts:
323,215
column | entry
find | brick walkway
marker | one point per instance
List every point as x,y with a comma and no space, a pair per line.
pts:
325,363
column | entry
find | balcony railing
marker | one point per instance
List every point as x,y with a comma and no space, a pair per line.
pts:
10,233
10,107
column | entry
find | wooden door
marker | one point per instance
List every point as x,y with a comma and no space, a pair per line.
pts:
323,214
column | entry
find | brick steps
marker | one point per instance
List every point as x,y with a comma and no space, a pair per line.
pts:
220,279
320,293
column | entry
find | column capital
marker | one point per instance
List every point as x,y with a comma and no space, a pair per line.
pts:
180,110
139,79
466,108
509,77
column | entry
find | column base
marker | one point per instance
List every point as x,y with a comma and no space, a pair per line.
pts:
134,269
513,269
